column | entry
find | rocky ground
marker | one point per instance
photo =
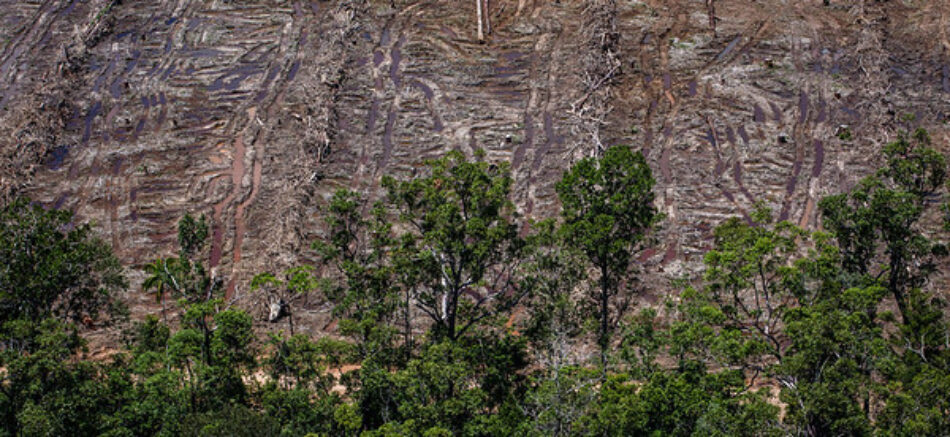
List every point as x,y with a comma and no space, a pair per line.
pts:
253,111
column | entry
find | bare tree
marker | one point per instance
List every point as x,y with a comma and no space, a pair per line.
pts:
481,31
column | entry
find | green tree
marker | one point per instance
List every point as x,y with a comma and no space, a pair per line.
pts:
689,400
362,255
607,211
464,387
464,238
887,240
192,235
832,364
751,282
162,276
883,213
778,304
184,276
52,267
561,389
43,391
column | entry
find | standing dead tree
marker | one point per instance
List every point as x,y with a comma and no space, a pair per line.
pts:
483,18
479,13
589,111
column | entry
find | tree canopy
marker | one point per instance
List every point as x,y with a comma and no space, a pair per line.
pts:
457,316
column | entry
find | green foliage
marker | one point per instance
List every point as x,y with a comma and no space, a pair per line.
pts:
749,285
364,254
52,267
148,336
298,282
607,211
192,235
463,237
687,401
883,212
554,272
185,276
558,399
450,386
608,206
837,348
230,421
789,332
299,362
42,391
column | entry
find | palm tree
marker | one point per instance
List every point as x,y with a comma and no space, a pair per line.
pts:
161,278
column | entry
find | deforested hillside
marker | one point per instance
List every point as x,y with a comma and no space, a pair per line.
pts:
475,218
130,113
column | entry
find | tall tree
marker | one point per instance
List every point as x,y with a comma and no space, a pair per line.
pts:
751,277
607,211
562,389
160,277
463,236
54,275
366,297
883,213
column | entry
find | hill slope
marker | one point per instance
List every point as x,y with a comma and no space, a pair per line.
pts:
253,112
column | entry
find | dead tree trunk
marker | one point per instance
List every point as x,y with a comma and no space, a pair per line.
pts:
481,31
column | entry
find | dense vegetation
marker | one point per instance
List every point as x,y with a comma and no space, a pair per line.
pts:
458,317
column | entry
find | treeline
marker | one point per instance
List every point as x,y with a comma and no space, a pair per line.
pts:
456,316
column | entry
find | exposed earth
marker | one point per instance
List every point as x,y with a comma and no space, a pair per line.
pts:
131,113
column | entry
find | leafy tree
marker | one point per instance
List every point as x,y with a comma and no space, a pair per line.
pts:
781,303
750,286
362,254
557,400
458,387
213,349
299,362
43,393
688,400
561,389
464,237
52,267
831,367
883,213
555,272
192,235
232,420
881,227
53,275
184,276
773,306
701,394
607,211
805,313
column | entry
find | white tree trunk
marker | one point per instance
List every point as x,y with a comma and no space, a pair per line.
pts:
481,32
